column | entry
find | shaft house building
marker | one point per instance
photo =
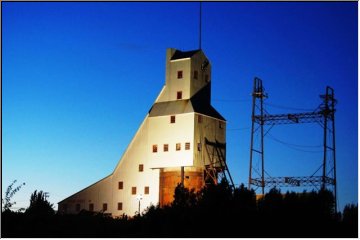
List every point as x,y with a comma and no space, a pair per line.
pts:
181,140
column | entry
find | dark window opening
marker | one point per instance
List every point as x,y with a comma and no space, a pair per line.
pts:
120,185
133,190
172,119
120,206
179,95
166,147
180,74
147,190
104,207
141,167
187,146
195,74
155,148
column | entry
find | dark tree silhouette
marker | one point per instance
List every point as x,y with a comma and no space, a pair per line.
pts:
10,192
39,206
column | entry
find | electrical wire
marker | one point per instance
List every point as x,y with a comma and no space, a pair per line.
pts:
290,108
295,146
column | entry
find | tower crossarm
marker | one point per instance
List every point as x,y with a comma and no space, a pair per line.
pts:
307,117
292,181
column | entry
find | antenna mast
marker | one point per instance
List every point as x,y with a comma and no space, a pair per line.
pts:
200,27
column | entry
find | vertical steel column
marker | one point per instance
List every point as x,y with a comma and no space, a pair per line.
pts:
325,113
333,147
262,138
252,132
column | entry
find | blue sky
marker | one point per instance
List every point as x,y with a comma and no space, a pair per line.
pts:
78,79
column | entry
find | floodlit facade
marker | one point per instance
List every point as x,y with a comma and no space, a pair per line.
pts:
181,140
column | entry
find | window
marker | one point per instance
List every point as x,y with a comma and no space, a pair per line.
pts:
178,146
91,207
133,190
120,206
121,185
141,167
195,74
146,190
64,207
179,95
220,125
154,148
77,207
200,119
104,207
166,147
180,74
172,119
207,78
187,146
199,146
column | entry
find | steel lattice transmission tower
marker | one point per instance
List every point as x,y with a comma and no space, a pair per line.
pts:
324,115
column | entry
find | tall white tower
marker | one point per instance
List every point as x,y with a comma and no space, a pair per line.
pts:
181,140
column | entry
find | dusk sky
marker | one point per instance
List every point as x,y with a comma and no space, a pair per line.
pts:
79,78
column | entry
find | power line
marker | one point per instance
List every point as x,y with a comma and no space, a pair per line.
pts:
231,100
285,107
295,146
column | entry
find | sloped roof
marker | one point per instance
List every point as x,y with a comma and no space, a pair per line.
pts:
199,103
180,54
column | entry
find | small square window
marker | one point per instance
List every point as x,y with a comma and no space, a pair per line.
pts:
187,146
104,207
195,74
180,74
172,119
146,190
207,78
199,146
77,207
120,185
154,148
91,207
200,119
178,146
166,147
133,190
179,95
120,206
141,167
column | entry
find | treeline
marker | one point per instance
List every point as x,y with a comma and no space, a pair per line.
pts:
216,211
